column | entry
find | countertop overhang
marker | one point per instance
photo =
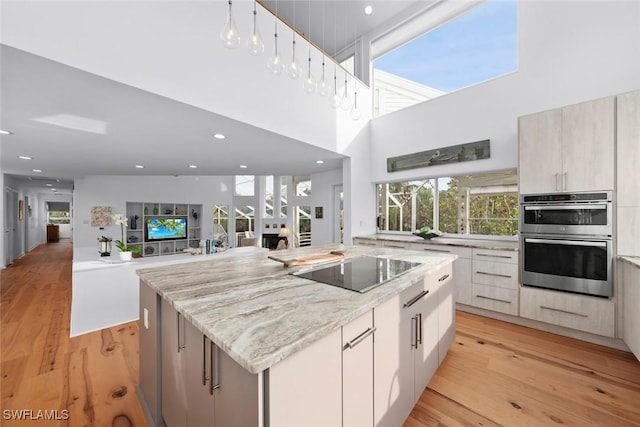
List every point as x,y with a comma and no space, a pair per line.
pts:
259,314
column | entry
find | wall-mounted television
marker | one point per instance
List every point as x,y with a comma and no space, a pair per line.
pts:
165,228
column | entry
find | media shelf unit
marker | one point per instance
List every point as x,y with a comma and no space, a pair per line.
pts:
146,210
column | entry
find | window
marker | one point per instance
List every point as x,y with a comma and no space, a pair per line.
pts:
302,184
58,217
483,204
245,185
471,48
269,202
245,221
283,197
221,224
405,206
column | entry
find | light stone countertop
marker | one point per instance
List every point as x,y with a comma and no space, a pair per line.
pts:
258,313
501,245
633,260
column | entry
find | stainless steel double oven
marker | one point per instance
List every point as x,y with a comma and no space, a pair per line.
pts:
566,242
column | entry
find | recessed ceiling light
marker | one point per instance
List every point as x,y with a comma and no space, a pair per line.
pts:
37,170
219,136
193,166
368,10
319,162
5,132
54,189
49,185
25,157
139,167
243,166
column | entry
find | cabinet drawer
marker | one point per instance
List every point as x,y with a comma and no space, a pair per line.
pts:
583,313
495,299
495,274
439,277
357,330
392,244
496,256
448,249
366,242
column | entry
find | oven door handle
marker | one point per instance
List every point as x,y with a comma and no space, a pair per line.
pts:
564,207
566,242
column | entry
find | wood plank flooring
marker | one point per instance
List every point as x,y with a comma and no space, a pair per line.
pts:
496,374
83,381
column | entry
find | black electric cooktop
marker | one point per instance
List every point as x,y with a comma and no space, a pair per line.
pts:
358,274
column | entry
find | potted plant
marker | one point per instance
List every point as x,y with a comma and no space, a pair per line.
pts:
125,252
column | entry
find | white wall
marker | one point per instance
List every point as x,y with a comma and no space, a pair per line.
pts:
569,52
322,194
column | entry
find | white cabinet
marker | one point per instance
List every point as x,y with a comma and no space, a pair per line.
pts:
357,372
446,308
631,285
589,314
363,241
174,367
628,184
201,385
405,351
568,149
461,268
140,213
540,152
495,280
306,388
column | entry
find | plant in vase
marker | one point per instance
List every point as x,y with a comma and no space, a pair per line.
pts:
125,252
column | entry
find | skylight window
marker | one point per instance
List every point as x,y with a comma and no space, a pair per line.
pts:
473,47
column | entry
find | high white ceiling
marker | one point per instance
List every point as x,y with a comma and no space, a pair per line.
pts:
73,123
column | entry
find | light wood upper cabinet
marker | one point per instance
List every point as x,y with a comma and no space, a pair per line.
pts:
628,148
568,149
540,151
588,145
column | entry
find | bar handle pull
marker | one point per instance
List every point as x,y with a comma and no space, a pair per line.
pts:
414,332
419,328
205,378
214,384
443,278
495,256
564,311
493,299
181,344
415,299
357,340
493,274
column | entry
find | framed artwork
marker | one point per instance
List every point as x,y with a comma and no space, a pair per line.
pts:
20,209
319,212
274,225
266,226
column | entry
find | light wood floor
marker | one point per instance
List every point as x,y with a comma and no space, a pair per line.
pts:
495,373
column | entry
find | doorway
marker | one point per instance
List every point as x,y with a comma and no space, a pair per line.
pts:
11,241
338,203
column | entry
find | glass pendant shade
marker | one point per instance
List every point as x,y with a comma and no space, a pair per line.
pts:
323,87
229,35
255,45
274,63
355,111
335,99
293,68
310,81
346,101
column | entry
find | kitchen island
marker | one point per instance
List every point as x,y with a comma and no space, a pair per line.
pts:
241,341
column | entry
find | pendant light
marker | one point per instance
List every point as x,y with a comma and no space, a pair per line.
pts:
255,45
346,98
293,68
274,63
310,81
229,35
335,99
323,87
355,112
